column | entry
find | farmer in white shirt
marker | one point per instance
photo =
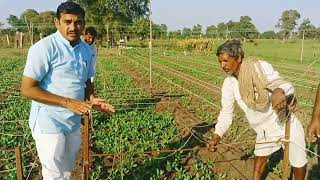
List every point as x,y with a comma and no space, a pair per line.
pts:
262,94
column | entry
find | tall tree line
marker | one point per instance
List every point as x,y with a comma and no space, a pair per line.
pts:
130,18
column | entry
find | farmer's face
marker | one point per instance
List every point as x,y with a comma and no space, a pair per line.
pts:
229,64
70,26
89,38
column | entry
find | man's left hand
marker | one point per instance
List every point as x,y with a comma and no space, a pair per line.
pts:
278,99
102,106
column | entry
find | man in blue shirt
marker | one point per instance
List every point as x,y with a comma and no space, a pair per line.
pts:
57,79
90,35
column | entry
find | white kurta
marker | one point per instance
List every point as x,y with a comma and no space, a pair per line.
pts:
265,123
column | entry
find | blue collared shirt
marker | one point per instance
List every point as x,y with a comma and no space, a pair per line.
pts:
62,70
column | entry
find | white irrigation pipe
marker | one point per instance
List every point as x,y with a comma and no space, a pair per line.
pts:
137,104
183,76
177,85
298,85
187,74
124,89
305,149
275,64
30,150
14,169
14,121
296,65
206,64
309,87
215,66
192,134
163,59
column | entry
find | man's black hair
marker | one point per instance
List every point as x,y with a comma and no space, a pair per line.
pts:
91,30
232,48
70,8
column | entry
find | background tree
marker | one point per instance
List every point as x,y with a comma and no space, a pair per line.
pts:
288,22
114,15
186,32
212,31
15,22
45,24
317,33
140,27
222,30
308,28
159,31
232,29
42,22
197,30
28,17
175,34
247,29
268,35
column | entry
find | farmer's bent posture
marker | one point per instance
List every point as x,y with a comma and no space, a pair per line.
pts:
262,94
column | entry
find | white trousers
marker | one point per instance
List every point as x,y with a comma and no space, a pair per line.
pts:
57,153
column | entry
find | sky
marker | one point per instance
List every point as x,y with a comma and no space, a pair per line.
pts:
177,14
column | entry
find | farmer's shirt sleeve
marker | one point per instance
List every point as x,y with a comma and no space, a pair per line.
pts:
227,102
272,74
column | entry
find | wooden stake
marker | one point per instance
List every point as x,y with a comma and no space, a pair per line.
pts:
86,156
285,173
18,163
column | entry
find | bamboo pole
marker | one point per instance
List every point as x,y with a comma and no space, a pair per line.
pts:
8,39
302,44
21,38
150,48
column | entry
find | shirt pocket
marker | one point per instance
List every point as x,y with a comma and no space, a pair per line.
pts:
72,71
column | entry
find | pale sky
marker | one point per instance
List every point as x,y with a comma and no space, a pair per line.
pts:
177,14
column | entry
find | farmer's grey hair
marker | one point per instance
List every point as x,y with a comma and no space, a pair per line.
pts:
232,48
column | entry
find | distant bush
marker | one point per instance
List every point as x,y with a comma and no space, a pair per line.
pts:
196,44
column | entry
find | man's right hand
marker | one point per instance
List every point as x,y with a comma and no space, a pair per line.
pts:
214,141
77,106
313,130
